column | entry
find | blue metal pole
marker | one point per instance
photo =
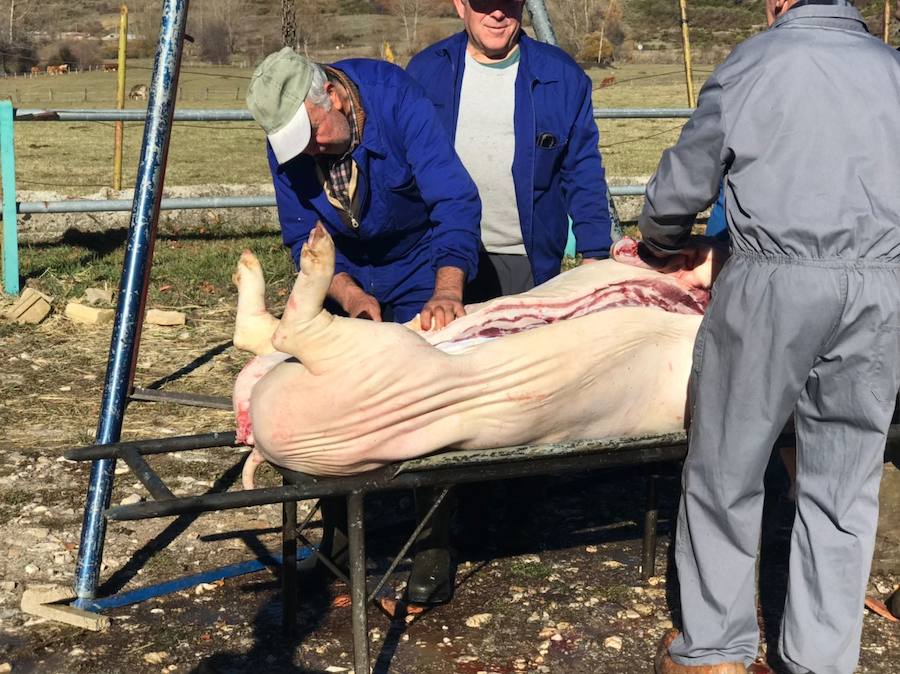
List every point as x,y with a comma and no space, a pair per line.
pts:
8,172
132,290
185,582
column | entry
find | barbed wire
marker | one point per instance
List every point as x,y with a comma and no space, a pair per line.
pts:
650,76
635,140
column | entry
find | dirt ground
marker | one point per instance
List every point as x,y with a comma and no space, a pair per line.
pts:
548,575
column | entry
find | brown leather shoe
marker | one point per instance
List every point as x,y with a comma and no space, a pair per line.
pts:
665,665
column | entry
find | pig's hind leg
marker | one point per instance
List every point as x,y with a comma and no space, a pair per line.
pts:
253,325
305,324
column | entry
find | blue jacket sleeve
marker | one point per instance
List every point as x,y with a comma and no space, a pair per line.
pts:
584,181
446,188
295,219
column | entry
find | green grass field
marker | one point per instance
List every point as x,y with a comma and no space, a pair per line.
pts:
75,158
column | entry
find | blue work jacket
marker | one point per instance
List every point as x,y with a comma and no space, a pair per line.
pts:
557,168
419,208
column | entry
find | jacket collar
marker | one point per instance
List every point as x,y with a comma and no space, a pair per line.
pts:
807,14
373,134
530,63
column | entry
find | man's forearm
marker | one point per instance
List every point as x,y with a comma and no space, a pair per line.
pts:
449,282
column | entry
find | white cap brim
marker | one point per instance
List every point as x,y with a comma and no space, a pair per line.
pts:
291,139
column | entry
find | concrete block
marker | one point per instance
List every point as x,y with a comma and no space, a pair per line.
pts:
31,307
81,313
51,602
98,296
160,317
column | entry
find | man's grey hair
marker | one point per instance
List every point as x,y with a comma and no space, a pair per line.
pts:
317,94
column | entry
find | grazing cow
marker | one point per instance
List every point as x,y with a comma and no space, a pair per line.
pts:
53,70
138,92
607,81
36,70
63,68
111,67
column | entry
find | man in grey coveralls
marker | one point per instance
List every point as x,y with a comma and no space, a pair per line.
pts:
803,121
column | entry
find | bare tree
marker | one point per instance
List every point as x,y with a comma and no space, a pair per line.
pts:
588,25
217,29
312,21
410,12
18,13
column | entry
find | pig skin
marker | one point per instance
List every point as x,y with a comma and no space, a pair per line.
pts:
369,394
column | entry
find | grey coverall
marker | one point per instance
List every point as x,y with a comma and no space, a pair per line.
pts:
803,120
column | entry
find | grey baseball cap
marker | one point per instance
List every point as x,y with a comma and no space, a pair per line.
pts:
275,98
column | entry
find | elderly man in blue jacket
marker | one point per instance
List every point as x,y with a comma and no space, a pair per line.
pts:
520,115
521,118
358,147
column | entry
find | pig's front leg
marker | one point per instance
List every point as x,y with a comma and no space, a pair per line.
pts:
253,325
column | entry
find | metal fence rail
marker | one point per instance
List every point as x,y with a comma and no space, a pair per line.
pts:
218,115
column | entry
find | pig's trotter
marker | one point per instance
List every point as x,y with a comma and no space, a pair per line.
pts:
310,288
253,325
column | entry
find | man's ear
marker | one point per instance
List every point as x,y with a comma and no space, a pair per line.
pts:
332,92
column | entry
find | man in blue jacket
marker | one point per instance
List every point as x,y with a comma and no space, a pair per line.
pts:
520,115
358,147
521,119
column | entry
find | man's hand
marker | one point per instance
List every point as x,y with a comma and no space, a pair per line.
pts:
446,303
354,300
363,305
660,261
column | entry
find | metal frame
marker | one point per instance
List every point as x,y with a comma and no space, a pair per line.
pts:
436,470
452,467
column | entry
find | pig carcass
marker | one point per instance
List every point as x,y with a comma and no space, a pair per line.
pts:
601,351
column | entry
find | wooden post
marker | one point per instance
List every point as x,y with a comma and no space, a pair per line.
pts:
8,178
120,98
887,21
686,47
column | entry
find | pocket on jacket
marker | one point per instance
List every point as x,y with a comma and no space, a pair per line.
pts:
404,205
884,367
547,160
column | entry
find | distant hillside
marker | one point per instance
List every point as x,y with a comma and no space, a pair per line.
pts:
254,26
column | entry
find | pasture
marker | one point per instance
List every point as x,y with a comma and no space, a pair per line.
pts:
76,158
563,595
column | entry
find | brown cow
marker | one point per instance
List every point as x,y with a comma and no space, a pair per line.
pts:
36,70
53,70
607,81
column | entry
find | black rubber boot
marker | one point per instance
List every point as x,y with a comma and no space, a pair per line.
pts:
433,570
